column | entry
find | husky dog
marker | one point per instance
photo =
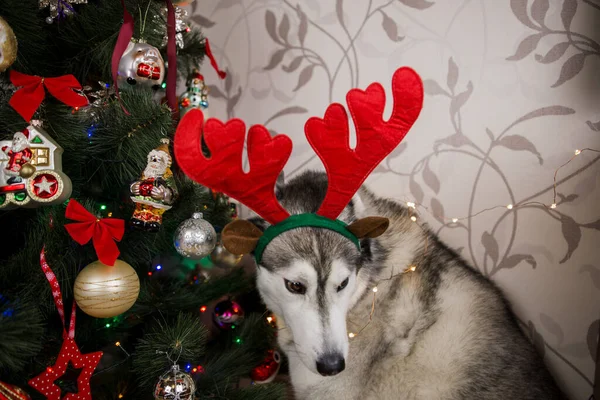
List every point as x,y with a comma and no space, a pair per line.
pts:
442,331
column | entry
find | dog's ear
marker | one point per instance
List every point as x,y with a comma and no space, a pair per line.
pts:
369,227
240,236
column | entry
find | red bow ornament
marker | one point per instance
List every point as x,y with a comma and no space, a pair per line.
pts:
102,231
28,98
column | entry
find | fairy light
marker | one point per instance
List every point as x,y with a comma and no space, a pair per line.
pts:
159,267
107,326
120,395
110,214
103,207
510,206
149,273
203,309
118,344
269,319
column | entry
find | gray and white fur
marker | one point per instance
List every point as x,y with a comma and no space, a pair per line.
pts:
443,331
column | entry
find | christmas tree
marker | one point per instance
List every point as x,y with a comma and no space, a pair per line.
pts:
93,209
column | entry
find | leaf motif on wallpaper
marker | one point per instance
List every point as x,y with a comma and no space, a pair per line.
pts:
284,28
553,327
579,350
455,140
539,8
491,246
227,4
416,191
572,234
433,88
537,339
592,339
519,8
567,199
490,134
431,179
452,77
569,8
570,68
390,28
556,52
303,26
202,21
595,126
514,260
540,112
228,82
460,99
232,101
271,26
593,225
438,210
519,143
259,94
418,4
339,11
281,96
526,46
287,111
304,76
293,65
594,273
216,92
276,58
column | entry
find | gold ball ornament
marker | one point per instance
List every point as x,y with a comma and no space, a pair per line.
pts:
103,291
221,257
8,45
26,170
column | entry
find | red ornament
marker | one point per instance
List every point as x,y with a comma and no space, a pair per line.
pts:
146,187
44,382
11,392
268,369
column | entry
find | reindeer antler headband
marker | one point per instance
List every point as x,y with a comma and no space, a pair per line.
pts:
346,168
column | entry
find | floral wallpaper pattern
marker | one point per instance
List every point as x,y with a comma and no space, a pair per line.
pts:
512,89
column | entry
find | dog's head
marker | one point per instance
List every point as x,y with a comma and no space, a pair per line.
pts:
308,276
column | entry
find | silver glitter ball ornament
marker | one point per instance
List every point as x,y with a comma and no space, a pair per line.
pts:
195,238
141,64
175,385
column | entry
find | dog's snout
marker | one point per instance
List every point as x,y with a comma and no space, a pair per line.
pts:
331,364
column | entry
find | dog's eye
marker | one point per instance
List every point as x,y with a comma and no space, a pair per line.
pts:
295,287
343,285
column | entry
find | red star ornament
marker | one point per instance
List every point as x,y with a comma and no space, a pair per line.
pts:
44,382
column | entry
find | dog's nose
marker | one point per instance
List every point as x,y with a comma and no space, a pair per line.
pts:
330,364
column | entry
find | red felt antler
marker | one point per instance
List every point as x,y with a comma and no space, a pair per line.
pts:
223,170
347,169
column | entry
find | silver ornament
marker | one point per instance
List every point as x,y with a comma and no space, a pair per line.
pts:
195,238
175,385
141,64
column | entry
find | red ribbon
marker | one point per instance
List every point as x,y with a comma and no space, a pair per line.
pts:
28,98
103,231
57,296
125,35
213,62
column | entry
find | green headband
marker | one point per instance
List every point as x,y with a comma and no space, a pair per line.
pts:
299,221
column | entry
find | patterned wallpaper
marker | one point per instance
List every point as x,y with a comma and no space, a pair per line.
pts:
512,89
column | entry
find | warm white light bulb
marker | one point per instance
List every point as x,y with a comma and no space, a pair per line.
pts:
553,205
375,289
413,218
413,268
510,206
455,220
577,152
351,335
269,319
410,204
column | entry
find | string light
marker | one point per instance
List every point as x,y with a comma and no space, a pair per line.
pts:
269,319
149,273
107,325
203,309
110,214
159,267
120,395
238,340
410,204
103,207
118,344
